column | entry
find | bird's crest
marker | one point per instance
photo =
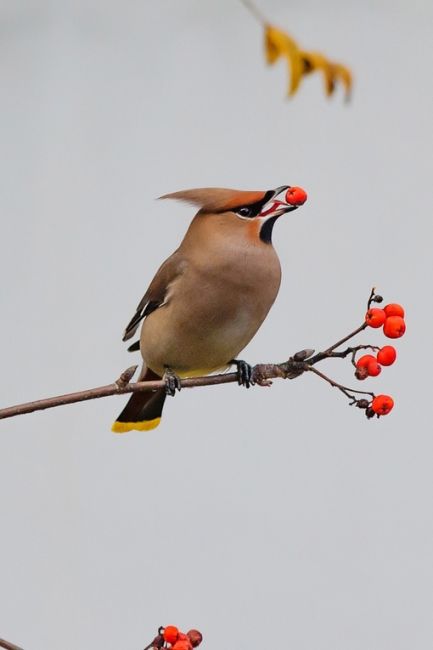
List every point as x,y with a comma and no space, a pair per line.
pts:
216,199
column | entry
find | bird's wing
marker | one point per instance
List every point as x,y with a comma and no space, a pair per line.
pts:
156,294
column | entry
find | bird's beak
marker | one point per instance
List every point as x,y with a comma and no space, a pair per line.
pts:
284,199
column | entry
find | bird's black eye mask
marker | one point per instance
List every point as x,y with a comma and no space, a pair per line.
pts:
254,209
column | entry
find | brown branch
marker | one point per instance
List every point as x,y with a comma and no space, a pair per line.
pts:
262,374
8,645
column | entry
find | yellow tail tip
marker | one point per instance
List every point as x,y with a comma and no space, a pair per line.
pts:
145,425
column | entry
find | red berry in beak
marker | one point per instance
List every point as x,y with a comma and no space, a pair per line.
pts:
296,196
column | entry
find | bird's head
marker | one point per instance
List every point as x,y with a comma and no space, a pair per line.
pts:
258,210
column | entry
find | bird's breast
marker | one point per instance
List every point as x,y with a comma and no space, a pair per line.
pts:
212,310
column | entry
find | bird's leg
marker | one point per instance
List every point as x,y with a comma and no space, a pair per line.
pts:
172,382
245,372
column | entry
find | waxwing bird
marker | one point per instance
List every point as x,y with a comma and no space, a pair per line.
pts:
209,298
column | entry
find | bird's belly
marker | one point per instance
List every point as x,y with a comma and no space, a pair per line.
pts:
196,345
211,312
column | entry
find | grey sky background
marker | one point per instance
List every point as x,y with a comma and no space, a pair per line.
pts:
263,517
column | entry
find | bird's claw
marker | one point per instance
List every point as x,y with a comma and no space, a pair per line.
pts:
172,382
245,373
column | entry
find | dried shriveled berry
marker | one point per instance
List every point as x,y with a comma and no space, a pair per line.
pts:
195,637
361,373
375,317
382,404
394,327
394,309
387,355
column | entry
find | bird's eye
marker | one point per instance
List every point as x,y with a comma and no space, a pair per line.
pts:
245,212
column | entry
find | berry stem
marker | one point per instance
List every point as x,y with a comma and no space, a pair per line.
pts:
329,352
344,389
346,338
352,350
254,11
371,297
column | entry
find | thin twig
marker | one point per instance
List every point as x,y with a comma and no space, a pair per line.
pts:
346,338
254,11
8,645
331,354
344,389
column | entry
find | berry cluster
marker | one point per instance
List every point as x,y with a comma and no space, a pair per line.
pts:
179,641
176,639
391,318
370,366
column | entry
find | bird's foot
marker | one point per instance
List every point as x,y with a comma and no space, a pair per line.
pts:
172,382
245,372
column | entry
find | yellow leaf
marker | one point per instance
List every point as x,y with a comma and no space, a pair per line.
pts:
314,61
345,76
279,44
332,72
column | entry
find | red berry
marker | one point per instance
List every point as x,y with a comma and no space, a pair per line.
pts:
382,404
182,644
171,634
373,368
296,196
365,360
375,317
387,355
394,327
394,310
362,366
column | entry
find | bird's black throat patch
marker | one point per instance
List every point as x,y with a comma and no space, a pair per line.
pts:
266,230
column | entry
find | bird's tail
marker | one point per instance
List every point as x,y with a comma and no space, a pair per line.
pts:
143,410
